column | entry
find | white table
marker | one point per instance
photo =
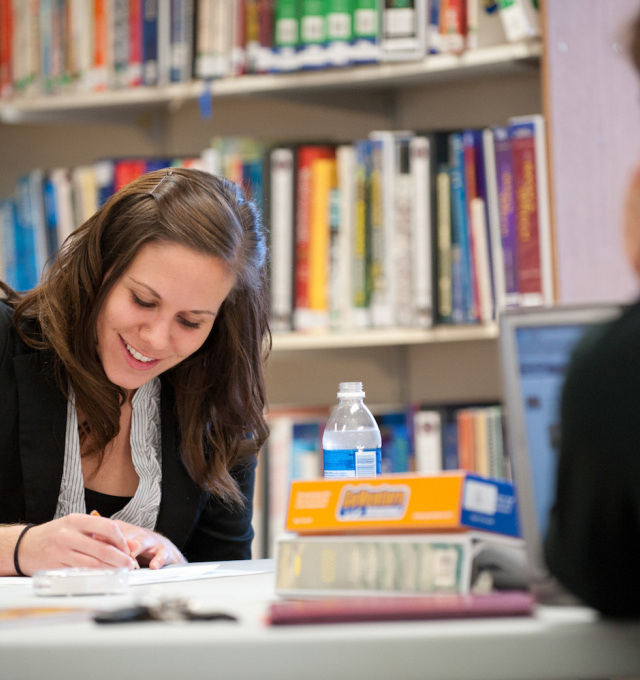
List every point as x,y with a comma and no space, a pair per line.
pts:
557,643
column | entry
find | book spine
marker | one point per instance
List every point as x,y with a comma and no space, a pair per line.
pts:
361,286
8,234
313,34
461,266
50,216
266,14
403,34
366,31
150,42
434,41
323,181
522,138
27,272
341,300
120,43
453,25
421,239
181,50
520,19
6,40
427,435
403,268
482,262
136,44
286,41
444,252
306,156
339,26
493,216
64,203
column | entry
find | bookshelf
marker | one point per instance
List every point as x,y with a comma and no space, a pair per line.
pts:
562,76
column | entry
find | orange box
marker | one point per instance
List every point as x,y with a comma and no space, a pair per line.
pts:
449,501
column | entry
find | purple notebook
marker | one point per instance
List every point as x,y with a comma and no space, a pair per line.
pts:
401,608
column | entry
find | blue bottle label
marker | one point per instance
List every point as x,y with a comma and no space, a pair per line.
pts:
351,463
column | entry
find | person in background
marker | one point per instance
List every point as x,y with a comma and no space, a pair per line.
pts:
593,542
132,384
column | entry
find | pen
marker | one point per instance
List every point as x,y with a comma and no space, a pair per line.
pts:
95,513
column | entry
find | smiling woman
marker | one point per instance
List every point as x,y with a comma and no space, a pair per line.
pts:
132,378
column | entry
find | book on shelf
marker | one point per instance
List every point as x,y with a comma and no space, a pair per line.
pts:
460,437
312,52
366,31
286,35
376,564
520,19
404,29
293,451
339,30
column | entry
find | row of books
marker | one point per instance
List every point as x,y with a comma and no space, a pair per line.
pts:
424,439
397,230
407,229
48,46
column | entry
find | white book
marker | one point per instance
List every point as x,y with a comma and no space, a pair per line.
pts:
427,441
282,235
341,299
205,59
81,36
164,41
64,203
520,19
384,294
493,211
403,237
404,31
421,264
481,260
85,195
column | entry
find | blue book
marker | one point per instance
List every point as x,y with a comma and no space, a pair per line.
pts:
463,299
27,271
150,42
396,443
181,41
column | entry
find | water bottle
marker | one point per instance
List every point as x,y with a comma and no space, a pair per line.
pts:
351,441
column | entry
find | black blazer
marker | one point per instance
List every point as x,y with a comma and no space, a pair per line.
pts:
33,413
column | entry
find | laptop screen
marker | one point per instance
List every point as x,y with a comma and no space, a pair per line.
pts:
535,348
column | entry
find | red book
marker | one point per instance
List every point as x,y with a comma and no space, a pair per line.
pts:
135,43
306,155
401,608
126,171
6,33
524,172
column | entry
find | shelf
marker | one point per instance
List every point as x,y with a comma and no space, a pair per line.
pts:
284,342
495,60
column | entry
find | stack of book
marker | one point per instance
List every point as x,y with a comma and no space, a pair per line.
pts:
447,534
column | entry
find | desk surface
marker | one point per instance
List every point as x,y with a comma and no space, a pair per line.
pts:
567,642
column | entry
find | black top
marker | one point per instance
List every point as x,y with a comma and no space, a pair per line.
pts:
593,542
33,415
105,504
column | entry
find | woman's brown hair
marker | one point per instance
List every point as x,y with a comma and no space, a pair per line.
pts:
220,389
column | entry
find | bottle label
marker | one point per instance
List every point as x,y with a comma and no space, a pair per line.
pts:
351,463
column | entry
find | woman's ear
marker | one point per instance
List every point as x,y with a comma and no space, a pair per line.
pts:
632,221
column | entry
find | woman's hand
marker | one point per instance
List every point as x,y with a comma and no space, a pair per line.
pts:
150,548
75,540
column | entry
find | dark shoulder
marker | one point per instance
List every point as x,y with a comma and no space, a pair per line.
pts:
604,372
7,328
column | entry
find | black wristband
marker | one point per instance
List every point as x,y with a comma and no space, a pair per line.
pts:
15,550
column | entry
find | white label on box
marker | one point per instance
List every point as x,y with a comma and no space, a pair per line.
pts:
480,497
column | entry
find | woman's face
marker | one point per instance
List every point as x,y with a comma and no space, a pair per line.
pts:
159,312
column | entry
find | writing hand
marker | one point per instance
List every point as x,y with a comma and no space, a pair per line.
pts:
149,547
75,540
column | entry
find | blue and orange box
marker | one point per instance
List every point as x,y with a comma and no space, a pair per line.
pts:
450,501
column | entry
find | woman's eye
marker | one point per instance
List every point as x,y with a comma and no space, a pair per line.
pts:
190,324
139,302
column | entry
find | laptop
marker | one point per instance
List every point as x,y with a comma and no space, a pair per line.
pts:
535,349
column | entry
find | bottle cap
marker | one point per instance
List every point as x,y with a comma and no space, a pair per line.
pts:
351,390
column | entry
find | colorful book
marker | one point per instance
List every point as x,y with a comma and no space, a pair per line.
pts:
339,27
535,265
305,157
9,272
323,182
360,268
366,31
286,31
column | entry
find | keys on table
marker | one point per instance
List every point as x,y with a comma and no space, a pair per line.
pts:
175,609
